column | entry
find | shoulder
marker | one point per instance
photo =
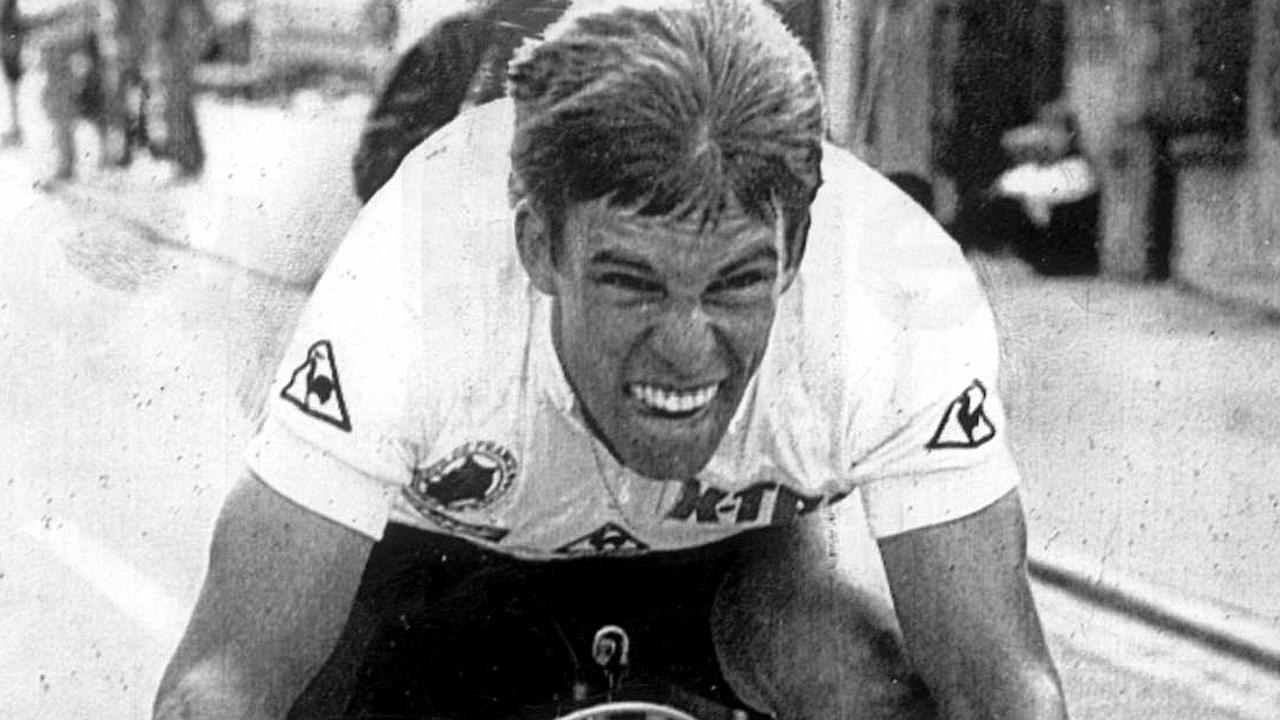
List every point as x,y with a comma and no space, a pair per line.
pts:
449,202
449,198
475,145
876,233
880,285
453,200
877,264
425,301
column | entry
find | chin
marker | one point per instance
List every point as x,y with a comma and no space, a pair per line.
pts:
675,451
666,464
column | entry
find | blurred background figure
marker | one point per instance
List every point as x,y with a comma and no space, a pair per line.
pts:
1049,198
11,62
71,58
125,66
65,35
998,63
172,40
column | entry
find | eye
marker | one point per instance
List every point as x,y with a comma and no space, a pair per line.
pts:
745,281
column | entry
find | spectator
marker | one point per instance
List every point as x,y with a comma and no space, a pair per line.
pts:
11,41
1053,193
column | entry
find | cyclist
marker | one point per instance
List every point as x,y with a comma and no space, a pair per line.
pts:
632,348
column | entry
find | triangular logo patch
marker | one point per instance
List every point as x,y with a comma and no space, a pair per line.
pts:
314,387
965,424
609,539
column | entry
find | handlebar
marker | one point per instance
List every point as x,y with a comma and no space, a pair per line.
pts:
649,710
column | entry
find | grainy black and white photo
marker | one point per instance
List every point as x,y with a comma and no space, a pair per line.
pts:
640,359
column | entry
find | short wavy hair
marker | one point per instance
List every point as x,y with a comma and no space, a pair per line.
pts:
669,107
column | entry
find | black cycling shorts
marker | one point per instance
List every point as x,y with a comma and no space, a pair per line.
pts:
443,628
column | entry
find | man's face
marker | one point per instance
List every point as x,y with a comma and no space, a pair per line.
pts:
660,323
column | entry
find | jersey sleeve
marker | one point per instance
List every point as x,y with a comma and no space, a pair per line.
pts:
341,416
931,445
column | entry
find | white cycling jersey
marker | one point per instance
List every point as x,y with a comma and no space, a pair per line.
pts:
423,388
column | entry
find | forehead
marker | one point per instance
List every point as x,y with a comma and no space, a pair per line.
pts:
595,227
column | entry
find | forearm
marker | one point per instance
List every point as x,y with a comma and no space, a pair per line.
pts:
969,620
278,592
1035,695
216,683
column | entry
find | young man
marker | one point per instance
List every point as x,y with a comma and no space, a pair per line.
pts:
589,382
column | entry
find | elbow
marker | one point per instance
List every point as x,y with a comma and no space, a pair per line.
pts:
1024,694
1050,698
1036,693
202,692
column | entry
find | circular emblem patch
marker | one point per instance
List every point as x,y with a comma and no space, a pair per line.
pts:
471,477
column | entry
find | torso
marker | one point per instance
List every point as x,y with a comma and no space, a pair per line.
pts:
489,444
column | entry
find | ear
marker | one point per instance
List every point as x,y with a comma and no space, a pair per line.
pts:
533,238
789,274
788,277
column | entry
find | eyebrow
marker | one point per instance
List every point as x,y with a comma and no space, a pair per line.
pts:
610,257
764,253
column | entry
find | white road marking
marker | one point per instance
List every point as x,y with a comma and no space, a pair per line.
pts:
130,590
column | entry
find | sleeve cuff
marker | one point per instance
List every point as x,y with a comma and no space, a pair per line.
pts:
901,504
318,481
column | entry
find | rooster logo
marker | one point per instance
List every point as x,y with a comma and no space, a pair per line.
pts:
314,387
965,424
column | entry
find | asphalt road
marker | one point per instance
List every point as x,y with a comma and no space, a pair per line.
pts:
132,310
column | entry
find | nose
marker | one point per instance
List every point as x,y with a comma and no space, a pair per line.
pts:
684,339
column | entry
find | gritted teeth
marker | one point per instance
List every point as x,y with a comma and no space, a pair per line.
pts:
674,401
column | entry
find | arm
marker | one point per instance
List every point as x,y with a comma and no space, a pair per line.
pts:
280,584
968,618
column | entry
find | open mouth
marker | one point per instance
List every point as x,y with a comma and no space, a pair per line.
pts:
673,403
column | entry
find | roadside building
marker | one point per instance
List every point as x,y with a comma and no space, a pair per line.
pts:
1178,103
